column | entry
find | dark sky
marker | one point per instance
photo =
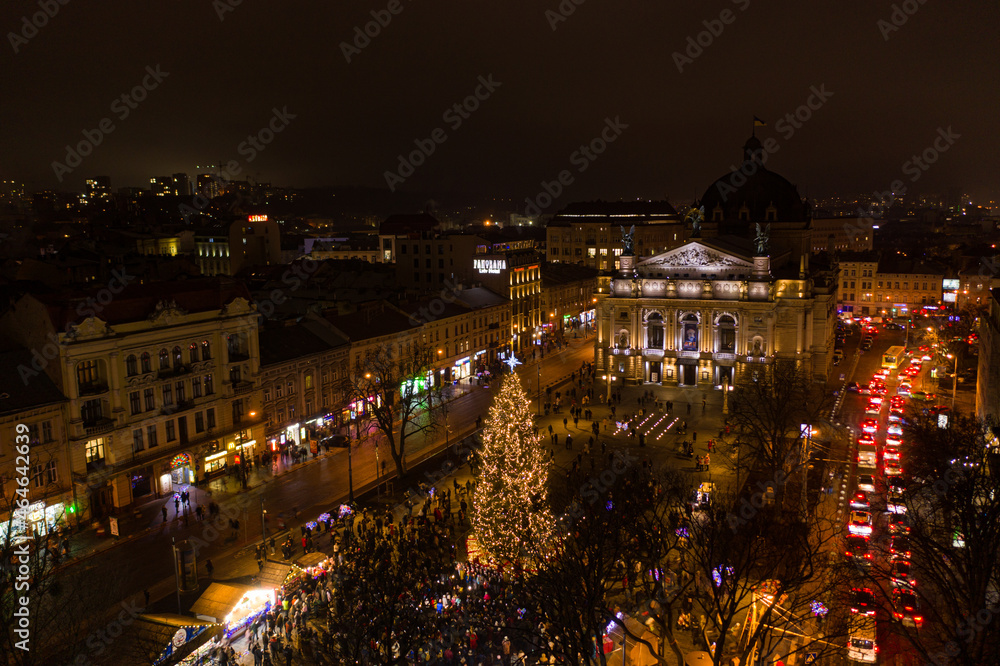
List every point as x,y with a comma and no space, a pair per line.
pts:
606,60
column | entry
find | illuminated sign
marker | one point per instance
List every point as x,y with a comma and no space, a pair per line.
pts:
490,266
949,297
256,218
952,285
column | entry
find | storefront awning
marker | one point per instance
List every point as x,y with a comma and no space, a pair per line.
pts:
310,560
274,574
219,600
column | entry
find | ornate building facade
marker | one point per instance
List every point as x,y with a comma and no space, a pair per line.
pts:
698,315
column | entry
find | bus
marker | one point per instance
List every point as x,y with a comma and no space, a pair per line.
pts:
893,357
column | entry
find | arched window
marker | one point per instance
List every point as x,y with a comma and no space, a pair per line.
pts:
164,360
727,334
654,331
147,364
178,361
131,365
193,352
689,333
206,350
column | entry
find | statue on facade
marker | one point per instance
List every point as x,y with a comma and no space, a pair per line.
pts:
696,215
761,241
628,241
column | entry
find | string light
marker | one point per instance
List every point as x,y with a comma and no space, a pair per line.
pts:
510,515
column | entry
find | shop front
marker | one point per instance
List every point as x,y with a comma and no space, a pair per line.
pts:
38,520
142,482
215,464
181,470
461,369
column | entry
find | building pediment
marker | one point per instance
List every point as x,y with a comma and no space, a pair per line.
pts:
90,328
696,257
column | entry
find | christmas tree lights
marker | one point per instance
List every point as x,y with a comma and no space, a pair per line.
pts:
510,513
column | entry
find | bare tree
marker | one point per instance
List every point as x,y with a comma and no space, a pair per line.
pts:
769,406
393,384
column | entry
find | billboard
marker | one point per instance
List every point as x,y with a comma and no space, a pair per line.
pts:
690,339
951,285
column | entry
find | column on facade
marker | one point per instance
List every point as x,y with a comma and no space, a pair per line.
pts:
771,344
799,330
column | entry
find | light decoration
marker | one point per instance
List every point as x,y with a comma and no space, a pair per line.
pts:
511,518
512,361
253,604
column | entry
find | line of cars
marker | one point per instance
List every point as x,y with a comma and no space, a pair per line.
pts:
877,525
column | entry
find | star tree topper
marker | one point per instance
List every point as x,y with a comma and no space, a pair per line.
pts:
512,361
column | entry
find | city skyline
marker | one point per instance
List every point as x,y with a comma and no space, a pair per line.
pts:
658,106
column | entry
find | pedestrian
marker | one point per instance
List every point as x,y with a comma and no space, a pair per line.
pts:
177,505
164,510
209,567
566,424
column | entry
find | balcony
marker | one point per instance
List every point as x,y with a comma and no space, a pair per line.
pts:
242,388
175,371
653,351
98,426
724,356
93,388
174,408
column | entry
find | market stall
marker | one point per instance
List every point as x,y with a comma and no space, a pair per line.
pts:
273,574
235,606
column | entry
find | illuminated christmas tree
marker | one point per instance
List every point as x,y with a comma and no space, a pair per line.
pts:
510,513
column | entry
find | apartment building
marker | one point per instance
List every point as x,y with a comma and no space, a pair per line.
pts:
33,414
304,373
161,381
590,233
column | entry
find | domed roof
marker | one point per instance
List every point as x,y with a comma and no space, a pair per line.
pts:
754,191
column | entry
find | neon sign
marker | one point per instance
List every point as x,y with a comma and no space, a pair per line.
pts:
256,218
489,266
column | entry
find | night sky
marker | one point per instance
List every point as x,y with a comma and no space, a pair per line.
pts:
606,60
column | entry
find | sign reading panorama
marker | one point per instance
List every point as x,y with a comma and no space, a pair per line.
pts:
489,266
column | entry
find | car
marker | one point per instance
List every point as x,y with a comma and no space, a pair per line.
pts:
892,468
884,372
899,523
918,395
895,416
924,348
879,390
906,608
869,426
939,409
895,484
897,401
866,439
912,371
916,363
852,387
925,357
895,429
906,381
893,440
899,546
860,523
891,454
876,400
866,482
862,601
894,503
865,389
858,548
903,389
901,574
860,501
873,409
